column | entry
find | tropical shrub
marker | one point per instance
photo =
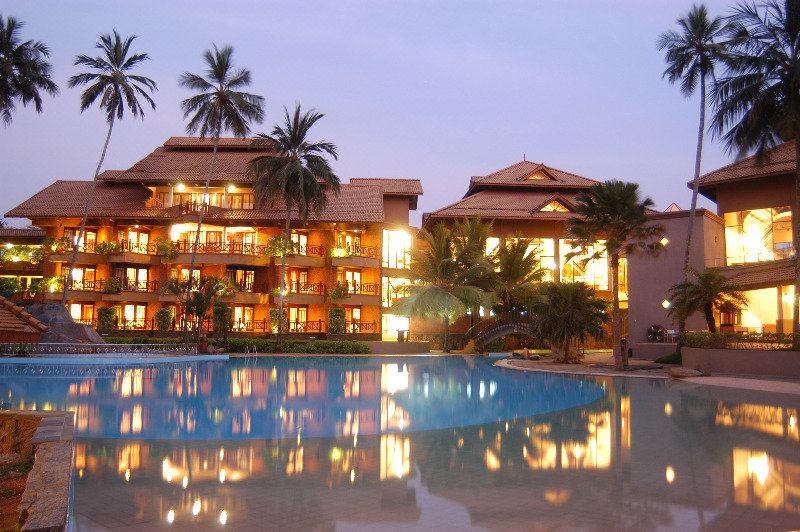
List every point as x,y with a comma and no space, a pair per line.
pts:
113,286
32,254
106,319
339,291
143,339
222,316
274,247
263,345
273,319
336,321
9,286
163,317
108,248
166,248
46,284
56,245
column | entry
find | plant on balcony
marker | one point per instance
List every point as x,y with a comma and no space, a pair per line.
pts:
339,252
32,254
166,248
9,286
112,286
274,247
56,245
222,317
566,314
273,319
108,248
339,291
106,319
337,322
46,285
163,317
297,172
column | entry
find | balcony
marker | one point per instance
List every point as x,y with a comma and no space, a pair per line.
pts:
131,290
358,293
356,256
239,253
132,252
362,327
86,254
298,293
750,258
249,293
304,256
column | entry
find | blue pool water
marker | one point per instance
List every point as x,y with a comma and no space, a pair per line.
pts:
429,443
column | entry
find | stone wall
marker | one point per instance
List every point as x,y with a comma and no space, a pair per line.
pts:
743,362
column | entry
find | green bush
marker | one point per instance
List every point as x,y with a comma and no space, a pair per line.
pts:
222,316
264,345
273,319
672,358
143,339
108,248
166,248
163,318
106,319
336,321
9,286
339,291
112,286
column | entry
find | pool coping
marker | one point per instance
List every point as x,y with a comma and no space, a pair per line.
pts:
83,360
577,370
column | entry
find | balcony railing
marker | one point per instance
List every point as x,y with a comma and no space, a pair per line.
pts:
317,289
306,326
307,250
361,327
83,285
229,248
102,285
362,289
371,252
132,285
250,287
750,258
131,246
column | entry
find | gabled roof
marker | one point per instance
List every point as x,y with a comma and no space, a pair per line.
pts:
508,204
532,175
777,161
15,319
21,232
391,185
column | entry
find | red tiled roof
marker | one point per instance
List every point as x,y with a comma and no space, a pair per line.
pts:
516,204
15,319
127,200
761,274
31,232
518,175
395,186
187,158
777,161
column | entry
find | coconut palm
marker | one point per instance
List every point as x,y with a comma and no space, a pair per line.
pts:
297,173
204,296
611,218
566,314
692,54
220,106
711,291
518,272
445,282
758,101
24,69
110,78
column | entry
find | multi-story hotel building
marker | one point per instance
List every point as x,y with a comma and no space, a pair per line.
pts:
142,225
533,201
749,237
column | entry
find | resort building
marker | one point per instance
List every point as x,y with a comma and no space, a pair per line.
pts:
143,221
749,238
21,255
533,201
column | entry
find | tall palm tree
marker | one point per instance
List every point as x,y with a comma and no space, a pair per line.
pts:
612,219
565,314
518,272
24,69
758,99
711,291
692,54
111,79
219,106
297,173
444,287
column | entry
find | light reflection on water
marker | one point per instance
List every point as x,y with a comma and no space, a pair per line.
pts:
349,443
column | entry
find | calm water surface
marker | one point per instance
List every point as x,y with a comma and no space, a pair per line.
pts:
442,443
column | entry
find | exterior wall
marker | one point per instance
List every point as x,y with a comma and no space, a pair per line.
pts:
755,194
395,209
743,361
649,278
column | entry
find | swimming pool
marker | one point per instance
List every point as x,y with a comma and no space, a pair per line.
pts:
359,443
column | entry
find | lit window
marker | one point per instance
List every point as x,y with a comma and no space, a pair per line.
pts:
580,268
758,235
554,206
396,249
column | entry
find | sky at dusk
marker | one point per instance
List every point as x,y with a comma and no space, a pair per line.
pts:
437,90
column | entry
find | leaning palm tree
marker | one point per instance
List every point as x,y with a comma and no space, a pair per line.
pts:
220,106
518,273
24,69
297,172
758,102
565,315
111,79
612,220
710,292
444,285
692,54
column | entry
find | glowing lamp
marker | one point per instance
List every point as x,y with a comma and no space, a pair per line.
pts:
8,245
231,188
664,241
181,187
666,303
670,475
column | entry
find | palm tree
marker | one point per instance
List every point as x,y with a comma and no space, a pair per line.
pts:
24,69
220,106
444,287
614,211
203,298
297,172
711,292
758,101
692,55
111,79
563,313
518,272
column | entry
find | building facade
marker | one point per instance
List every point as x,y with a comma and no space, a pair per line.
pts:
749,238
142,227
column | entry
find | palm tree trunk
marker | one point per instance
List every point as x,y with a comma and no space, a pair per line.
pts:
620,358
708,313
197,239
282,293
446,333
87,204
696,180
796,241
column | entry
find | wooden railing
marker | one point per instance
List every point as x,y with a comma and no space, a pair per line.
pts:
363,289
306,288
229,248
361,327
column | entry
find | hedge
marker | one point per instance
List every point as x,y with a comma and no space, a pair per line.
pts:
748,340
263,345
143,339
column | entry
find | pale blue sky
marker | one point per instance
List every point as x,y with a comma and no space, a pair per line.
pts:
436,90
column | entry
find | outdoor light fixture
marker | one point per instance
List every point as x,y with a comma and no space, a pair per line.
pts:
668,409
171,516
664,241
181,187
223,517
8,245
665,303
231,188
670,474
